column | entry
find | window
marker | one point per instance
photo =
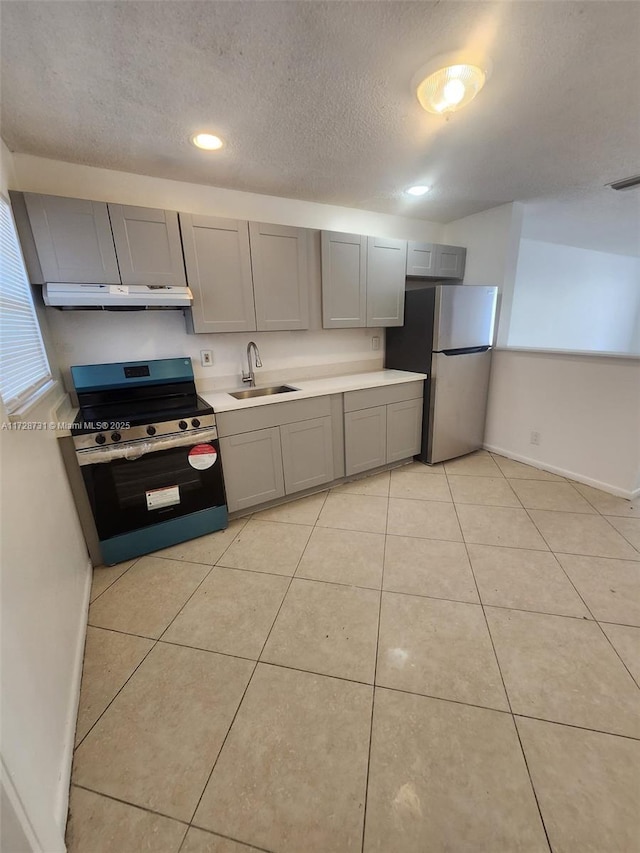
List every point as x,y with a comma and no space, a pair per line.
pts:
24,367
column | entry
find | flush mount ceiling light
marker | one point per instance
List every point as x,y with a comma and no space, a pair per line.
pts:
450,82
418,190
207,141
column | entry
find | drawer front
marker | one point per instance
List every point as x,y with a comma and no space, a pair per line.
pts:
275,414
383,395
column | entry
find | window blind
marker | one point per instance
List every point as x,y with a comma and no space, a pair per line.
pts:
24,367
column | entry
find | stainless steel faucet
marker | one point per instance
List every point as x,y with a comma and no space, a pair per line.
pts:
250,376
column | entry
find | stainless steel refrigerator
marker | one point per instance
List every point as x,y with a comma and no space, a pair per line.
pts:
448,334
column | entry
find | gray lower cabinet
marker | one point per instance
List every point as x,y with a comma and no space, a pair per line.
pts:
218,262
365,439
73,239
382,425
147,244
252,466
404,429
307,454
279,262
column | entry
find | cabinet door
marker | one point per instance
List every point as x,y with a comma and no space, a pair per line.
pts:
344,280
307,454
404,429
421,259
280,276
147,245
252,467
450,262
365,439
73,239
218,262
386,273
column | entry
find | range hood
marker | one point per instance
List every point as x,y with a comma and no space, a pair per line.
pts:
121,297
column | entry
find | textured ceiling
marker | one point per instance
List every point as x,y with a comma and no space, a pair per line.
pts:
314,99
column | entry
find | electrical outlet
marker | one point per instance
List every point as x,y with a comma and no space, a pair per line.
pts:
206,357
535,437
375,342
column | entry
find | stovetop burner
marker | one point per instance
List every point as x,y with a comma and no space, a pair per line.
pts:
109,417
130,401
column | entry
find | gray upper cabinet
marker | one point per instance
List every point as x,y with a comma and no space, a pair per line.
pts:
386,272
344,280
218,262
307,454
280,276
147,245
450,261
433,260
73,239
421,259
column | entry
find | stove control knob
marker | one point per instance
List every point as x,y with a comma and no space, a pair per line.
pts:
115,436
100,439
183,424
151,430
195,422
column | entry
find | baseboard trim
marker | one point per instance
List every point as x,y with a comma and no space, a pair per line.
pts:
564,472
62,798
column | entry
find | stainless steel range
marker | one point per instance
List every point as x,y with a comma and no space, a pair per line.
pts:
147,447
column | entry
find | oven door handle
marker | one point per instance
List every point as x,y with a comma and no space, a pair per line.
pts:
135,449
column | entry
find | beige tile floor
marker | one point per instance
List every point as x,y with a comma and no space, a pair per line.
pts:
427,660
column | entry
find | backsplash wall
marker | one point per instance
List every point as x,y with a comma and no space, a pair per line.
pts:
86,337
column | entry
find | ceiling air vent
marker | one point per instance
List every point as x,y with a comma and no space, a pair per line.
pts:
625,183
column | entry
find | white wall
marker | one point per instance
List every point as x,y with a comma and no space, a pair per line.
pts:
45,579
492,239
586,409
85,337
571,298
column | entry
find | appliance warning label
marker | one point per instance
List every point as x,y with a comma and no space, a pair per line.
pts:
202,456
163,497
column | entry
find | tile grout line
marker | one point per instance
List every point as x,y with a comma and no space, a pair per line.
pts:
409,536
155,640
222,745
589,610
375,674
93,570
504,686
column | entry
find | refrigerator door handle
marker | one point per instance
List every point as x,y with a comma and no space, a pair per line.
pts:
464,350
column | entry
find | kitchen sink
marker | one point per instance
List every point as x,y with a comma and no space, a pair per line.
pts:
262,392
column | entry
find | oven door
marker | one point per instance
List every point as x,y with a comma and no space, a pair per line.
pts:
135,485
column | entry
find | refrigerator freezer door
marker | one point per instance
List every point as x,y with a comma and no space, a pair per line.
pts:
458,404
464,317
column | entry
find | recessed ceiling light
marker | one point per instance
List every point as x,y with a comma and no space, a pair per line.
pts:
450,82
207,141
417,190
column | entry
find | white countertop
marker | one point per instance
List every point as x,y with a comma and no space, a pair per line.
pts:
222,401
